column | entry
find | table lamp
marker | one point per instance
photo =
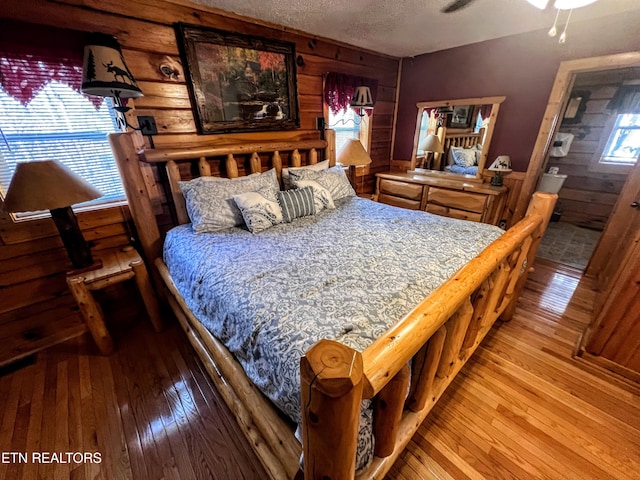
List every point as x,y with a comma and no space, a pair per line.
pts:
431,143
501,166
49,185
353,155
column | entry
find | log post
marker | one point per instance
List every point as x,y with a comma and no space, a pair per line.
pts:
255,163
276,162
425,364
313,156
388,406
203,167
173,173
232,166
295,158
331,383
456,330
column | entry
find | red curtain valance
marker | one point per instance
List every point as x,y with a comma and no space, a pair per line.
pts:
31,56
339,89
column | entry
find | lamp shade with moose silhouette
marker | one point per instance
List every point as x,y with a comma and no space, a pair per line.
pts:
104,72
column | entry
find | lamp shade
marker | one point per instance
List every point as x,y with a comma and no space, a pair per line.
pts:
46,185
501,164
104,72
361,100
431,143
353,154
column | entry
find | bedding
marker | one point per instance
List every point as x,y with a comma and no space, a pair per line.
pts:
346,274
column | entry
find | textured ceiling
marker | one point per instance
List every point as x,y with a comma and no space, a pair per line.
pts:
406,28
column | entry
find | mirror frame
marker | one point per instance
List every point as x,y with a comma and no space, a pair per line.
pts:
495,107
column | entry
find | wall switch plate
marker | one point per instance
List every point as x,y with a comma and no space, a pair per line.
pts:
147,125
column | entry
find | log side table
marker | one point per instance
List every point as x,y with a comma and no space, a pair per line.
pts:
117,266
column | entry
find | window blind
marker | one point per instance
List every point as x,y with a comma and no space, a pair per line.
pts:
60,124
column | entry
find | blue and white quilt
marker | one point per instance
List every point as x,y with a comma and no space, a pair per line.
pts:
346,274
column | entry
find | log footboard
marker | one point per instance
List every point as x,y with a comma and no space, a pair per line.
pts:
436,338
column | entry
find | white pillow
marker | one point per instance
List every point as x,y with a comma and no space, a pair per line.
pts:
210,203
321,197
258,211
316,167
465,157
333,179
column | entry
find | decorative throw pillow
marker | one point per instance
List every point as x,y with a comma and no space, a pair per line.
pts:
333,179
296,203
210,203
258,211
321,197
465,157
316,167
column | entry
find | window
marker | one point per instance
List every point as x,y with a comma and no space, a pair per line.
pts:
60,124
348,124
43,115
623,146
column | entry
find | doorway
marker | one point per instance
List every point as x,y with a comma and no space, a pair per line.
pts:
570,75
592,156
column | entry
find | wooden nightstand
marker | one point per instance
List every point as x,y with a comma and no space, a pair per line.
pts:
117,266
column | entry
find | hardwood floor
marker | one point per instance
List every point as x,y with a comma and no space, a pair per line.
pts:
521,408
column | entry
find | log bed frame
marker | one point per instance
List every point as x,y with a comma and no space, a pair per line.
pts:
440,334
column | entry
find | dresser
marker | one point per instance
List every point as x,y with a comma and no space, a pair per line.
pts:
478,202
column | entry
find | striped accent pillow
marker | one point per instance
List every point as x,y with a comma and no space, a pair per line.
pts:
296,203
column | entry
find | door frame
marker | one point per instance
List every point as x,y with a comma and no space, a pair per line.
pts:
560,92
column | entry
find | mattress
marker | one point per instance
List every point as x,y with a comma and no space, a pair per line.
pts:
346,274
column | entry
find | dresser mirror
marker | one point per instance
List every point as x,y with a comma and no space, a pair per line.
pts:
463,128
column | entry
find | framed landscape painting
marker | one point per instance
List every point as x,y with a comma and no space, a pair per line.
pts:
239,83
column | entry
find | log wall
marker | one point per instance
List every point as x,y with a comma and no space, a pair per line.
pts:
32,260
588,195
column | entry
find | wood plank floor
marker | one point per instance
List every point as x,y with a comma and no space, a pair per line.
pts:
521,408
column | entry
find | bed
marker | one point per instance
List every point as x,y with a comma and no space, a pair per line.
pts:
394,375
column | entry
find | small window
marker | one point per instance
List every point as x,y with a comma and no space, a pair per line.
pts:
348,124
60,124
623,146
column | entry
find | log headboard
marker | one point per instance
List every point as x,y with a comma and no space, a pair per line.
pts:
150,175
462,140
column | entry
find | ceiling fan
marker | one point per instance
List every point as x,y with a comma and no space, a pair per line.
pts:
456,5
541,4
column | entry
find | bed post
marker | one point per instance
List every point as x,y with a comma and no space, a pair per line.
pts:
331,383
125,148
541,204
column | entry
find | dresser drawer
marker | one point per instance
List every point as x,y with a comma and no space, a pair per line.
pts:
453,212
470,202
399,201
412,191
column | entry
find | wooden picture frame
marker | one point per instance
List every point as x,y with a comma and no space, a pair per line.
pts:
460,117
576,106
239,83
